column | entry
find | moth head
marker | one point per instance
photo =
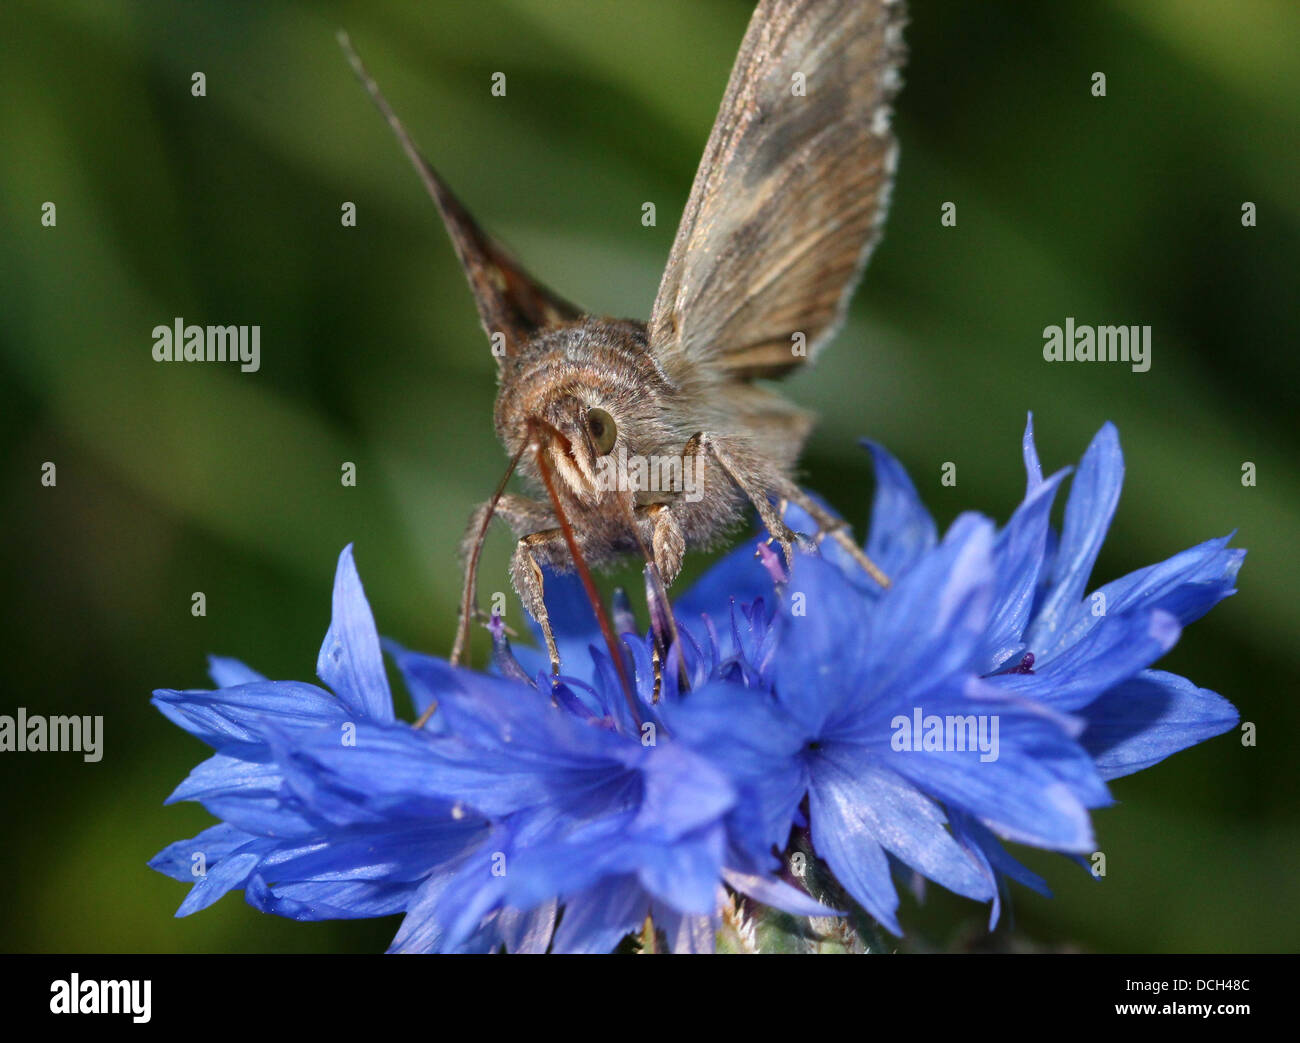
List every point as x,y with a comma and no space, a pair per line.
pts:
578,435
577,441
590,396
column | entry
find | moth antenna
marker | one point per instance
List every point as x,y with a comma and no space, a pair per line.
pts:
584,573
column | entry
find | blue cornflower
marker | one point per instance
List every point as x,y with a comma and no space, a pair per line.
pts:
299,845
476,829
573,822
1083,662
856,687
1045,639
982,697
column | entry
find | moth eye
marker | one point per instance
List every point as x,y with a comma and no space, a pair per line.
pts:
604,432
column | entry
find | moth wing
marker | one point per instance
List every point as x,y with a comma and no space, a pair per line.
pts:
774,426
510,301
791,191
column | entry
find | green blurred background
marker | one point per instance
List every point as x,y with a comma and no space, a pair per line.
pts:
226,209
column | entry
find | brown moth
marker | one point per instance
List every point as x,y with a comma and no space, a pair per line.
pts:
787,203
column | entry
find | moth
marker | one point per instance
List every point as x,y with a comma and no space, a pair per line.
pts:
786,206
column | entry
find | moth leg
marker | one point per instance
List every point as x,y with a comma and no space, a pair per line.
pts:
667,544
836,528
668,548
756,493
520,513
526,575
